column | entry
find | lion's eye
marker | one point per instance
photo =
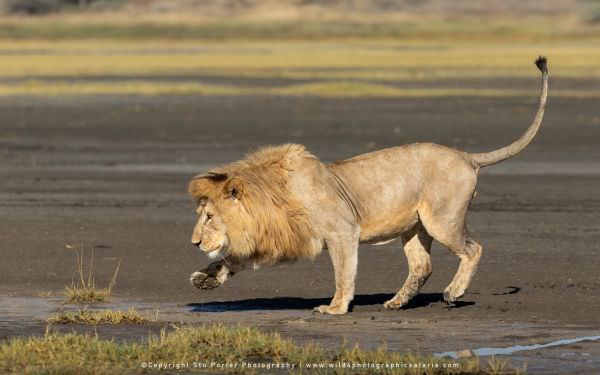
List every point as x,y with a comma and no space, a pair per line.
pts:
208,217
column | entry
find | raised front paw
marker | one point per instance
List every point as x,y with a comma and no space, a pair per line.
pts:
202,280
333,310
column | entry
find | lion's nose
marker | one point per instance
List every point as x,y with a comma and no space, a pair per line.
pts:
197,243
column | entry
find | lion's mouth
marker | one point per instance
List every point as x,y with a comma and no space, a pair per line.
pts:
217,252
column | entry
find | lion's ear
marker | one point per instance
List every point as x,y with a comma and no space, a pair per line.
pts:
202,184
234,188
214,176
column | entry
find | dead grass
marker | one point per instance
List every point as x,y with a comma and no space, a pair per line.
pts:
85,316
203,345
496,365
83,286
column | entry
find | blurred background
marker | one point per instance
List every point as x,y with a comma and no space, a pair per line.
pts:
210,64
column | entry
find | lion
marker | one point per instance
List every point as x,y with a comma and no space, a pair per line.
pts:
281,203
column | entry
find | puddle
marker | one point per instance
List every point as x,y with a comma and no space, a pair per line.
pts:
482,352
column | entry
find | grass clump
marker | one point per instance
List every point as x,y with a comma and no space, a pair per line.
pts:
85,316
83,286
203,348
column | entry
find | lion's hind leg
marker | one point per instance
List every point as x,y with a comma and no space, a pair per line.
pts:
448,228
417,246
444,218
469,254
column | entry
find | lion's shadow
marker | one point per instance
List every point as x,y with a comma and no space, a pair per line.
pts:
298,303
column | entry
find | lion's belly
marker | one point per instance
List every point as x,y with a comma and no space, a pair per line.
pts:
388,227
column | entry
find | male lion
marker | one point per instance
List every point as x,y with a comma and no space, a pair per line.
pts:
281,203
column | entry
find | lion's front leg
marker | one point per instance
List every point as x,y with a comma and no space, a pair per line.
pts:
344,255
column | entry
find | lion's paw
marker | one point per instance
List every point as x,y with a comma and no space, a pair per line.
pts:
393,304
202,280
326,309
451,298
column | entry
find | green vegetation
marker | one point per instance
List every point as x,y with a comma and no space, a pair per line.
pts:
85,316
469,29
208,345
84,289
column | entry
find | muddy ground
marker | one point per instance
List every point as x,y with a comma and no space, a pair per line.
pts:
111,172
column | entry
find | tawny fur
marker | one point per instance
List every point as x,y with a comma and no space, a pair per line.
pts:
281,203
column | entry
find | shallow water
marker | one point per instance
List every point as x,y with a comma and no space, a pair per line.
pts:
482,352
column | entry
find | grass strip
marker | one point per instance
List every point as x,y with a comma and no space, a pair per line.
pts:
88,354
85,290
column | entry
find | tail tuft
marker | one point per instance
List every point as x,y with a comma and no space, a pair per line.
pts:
540,62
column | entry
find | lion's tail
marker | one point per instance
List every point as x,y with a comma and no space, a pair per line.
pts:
493,157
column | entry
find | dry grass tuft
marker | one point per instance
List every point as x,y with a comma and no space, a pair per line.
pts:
84,288
85,316
499,366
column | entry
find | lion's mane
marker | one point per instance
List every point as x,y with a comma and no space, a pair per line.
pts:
273,225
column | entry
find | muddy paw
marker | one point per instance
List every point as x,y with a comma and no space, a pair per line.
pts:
325,309
202,280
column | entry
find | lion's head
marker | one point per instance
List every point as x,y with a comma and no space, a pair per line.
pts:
222,217
246,209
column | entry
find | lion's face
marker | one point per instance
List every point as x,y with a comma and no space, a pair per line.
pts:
210,232
223,222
